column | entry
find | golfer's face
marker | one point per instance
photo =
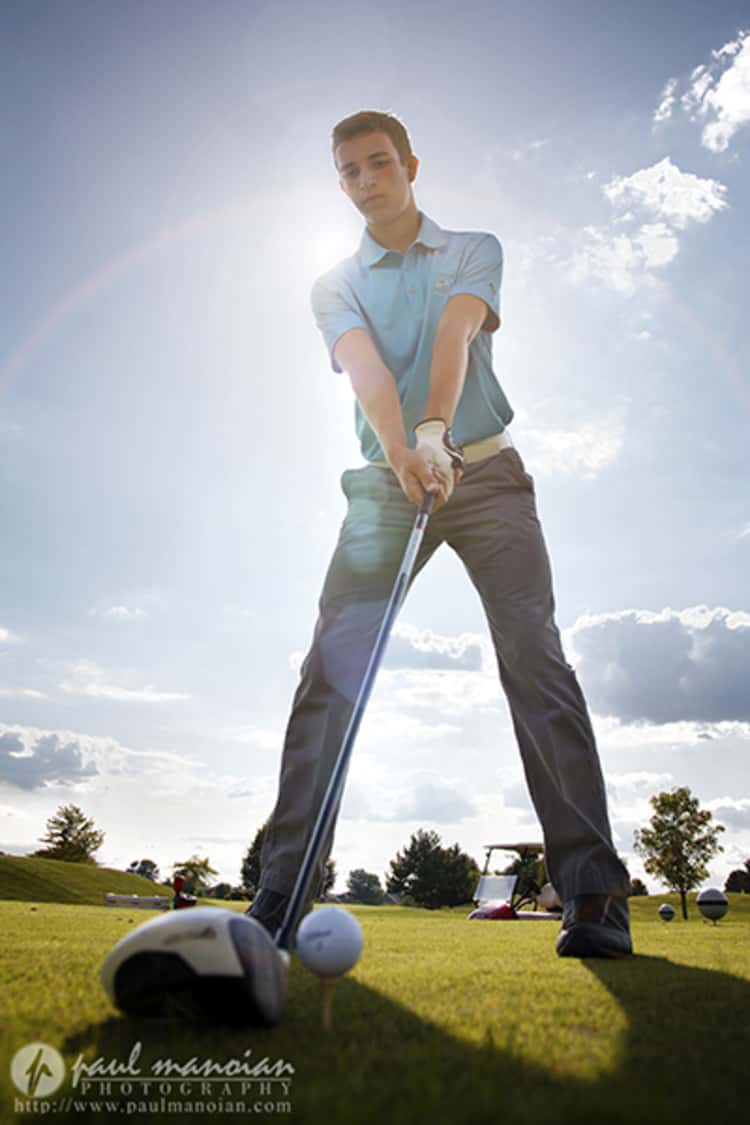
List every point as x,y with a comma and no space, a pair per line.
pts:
373,177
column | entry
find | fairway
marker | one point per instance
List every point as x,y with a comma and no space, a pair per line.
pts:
441,1020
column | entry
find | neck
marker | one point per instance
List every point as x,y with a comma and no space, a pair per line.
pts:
398,233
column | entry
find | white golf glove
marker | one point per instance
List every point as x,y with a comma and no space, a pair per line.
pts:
435,441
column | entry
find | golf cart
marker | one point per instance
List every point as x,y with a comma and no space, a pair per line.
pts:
501,897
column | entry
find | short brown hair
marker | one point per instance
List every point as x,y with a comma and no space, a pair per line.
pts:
373,121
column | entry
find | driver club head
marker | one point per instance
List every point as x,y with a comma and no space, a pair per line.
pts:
206,965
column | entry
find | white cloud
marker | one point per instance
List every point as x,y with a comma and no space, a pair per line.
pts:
700,80
49,760
657,201
6,637
521,153
421,648
444,694
732,813
32,757
677,735
658,244
260,738
21,693
428,797
376,796
148,802
515,792
664,109
719,93
635,780
628,800
660,667
584,451
120,613
392,725
87,680
668,193
616,260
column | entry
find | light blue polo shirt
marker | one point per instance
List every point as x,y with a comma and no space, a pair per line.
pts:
398,299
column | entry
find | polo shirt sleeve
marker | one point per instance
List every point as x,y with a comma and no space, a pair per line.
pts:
335,311
481,273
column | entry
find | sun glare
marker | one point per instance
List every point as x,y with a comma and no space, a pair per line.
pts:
327,246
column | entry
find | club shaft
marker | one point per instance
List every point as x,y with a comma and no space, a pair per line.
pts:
332,798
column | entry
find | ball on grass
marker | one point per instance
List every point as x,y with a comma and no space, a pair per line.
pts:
713,903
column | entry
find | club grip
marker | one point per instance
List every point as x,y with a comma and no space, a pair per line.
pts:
426,506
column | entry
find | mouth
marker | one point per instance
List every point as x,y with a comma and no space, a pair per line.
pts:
371,199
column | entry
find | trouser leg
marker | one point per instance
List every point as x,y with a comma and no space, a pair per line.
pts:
355,593
499,539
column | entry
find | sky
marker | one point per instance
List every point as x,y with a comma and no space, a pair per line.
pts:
172,436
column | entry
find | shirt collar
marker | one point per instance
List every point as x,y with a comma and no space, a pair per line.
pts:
430,235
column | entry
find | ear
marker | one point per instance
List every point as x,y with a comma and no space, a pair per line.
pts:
413,165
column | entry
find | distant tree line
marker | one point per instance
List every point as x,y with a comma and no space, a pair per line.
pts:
677,846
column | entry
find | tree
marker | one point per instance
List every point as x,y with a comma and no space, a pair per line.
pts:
637,887
431,875
680,842
71,835
531,875
196,872
404,867
145,867
221,890
329,878
250,870
364,886
739,879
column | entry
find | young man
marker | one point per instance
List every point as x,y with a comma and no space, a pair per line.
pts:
409,317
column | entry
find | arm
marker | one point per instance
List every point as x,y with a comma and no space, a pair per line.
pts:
459,323
375,388
472,303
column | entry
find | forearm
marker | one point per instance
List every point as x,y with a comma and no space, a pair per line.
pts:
378,397
450,358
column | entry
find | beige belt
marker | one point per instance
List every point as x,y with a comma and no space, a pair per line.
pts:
475,450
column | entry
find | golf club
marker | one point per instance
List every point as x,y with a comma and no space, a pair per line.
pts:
329,806
216,966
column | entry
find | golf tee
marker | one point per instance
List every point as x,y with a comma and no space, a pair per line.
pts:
328,984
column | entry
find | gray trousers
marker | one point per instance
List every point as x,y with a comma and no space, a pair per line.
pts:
492,524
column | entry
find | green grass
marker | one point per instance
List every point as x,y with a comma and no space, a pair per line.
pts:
441,1020
29,879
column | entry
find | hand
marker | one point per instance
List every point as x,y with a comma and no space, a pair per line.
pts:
416,476
436,465
435,441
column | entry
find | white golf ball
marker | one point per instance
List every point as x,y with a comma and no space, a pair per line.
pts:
329,941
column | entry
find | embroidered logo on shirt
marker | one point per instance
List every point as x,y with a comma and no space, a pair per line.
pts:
444,281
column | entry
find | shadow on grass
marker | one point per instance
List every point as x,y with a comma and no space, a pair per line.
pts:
683,1058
